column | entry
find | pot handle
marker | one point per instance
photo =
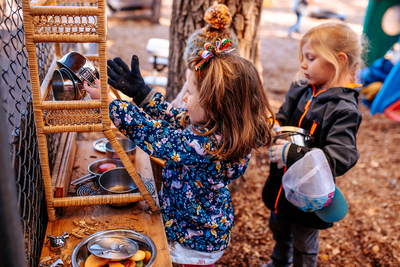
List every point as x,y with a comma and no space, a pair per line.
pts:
83,179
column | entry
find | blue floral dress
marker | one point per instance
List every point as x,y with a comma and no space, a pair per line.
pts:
195,202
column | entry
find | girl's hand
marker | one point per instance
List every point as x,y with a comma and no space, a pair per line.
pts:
93,92
279,152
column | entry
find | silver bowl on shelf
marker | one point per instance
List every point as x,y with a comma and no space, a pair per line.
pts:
65,86
80,67
117,181
128,145
81,251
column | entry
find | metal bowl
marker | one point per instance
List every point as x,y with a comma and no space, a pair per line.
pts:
117,181
295,135
80,67
81,251
128,145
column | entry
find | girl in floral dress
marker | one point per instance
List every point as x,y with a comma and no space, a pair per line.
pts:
205,146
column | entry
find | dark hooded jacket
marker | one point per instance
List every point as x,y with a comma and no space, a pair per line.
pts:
333,118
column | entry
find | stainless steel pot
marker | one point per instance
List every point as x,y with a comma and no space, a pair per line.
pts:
128,145
295,135
81,251
63,85
94,172
79,66
117,181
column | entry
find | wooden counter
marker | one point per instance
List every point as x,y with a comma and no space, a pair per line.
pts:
103,217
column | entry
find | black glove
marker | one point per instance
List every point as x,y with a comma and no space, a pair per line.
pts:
129,82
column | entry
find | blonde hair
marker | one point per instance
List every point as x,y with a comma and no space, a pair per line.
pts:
236,105
329,40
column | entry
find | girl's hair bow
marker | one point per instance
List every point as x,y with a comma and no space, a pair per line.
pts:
210,50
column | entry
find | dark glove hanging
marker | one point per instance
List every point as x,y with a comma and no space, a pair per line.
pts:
129,82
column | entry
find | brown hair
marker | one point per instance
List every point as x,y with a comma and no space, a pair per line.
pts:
218,19
330,39
236,105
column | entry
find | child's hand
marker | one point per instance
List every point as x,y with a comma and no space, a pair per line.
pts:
93,92
128,81
279,151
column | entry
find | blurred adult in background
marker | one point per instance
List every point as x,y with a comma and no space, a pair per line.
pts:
300,7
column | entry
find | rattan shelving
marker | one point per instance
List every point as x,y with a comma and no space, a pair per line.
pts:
72,21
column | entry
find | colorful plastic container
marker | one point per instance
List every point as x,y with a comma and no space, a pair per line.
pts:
379,41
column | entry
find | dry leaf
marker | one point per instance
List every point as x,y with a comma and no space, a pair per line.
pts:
375,249
323,257
45,259
335,251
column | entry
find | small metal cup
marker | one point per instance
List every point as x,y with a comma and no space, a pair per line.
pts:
128,145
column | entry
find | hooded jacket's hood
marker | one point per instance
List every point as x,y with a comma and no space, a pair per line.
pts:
339,93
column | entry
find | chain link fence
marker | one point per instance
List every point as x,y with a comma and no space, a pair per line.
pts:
20,125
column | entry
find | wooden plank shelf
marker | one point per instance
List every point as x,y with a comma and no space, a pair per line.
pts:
137,216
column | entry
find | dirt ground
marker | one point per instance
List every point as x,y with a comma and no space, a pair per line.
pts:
369,235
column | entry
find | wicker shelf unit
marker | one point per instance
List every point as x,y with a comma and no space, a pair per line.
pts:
72,21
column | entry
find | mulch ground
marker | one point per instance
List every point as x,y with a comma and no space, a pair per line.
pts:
369,234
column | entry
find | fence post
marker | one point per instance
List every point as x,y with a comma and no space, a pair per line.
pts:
12,251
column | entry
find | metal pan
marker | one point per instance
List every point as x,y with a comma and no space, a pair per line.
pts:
94,172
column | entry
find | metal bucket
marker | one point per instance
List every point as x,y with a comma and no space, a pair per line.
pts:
295,135
128,145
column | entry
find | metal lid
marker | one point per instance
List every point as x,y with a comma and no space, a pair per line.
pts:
113,247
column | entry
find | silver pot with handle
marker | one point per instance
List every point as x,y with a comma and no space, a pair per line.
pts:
295,135
117,181
94,172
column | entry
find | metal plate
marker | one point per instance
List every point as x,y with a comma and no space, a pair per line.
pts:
113,247
100,145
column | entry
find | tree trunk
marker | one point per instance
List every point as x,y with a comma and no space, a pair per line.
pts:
187,16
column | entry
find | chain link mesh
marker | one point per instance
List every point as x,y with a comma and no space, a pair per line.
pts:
20,125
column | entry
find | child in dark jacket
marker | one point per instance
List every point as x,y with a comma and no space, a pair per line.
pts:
327,107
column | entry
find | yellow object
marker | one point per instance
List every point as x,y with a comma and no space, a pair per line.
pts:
115,264
371,90
147,256
94,261
138,256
